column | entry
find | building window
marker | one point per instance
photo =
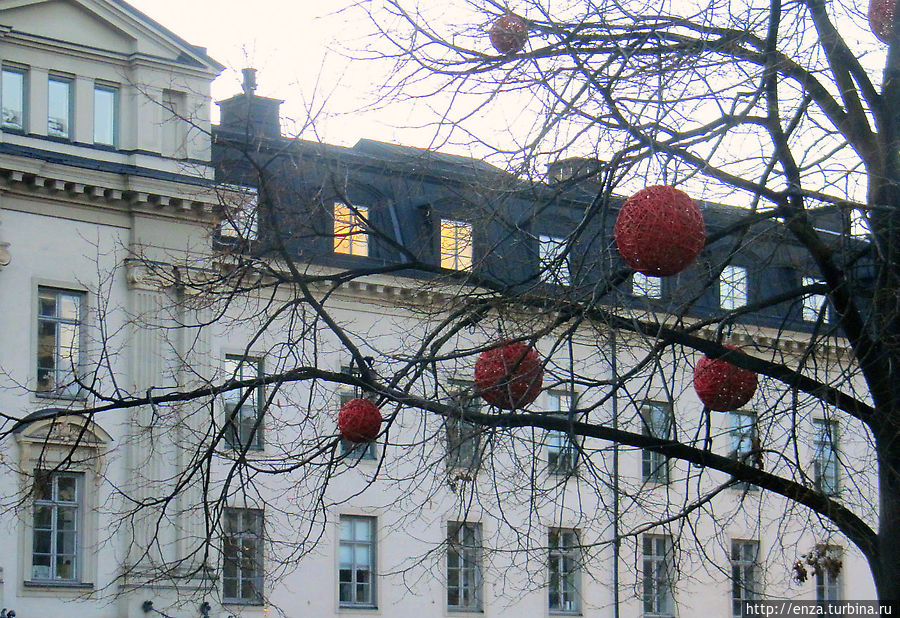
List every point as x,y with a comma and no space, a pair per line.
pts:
456,245
825,457
463,566
745,579
239,212
59,342
733,287
744,435
829,585
356,582
56,547
242,556
565,572
812,303
105,114
12,92
358,450
59,107
463,437
244,407
554,265
656,419
175,126
350,236
562,453
642,285
657,575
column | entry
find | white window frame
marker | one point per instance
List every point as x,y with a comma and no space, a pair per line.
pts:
826,471
14,118
60,86
112,127
243,418
562,452
455,244
828,587
351,236
813,304
657,419
67,360
553,264
656,575
464,555
243,534
55,529
359,451
645,285
463,437
352,592
564,582
733,287
746,576
240,218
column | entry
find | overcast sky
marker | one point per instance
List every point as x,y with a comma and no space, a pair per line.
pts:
287,41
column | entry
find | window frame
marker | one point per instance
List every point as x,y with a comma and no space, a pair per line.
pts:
247,533
734,287
655,466
826,469
360,451
555,268
350,229
240,218
352,543
660,599
456,251
646,286
71,389
812,305
562,452
462,433
467,568
68,83
829,588
743,569
234,424
22,74
113,124
568,580
55,504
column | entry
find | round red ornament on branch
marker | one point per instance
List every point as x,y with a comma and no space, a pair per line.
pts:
509,33
359,420
722,386
659,231
881,18
509,376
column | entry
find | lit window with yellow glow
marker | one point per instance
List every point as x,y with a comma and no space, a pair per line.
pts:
456,244
350,236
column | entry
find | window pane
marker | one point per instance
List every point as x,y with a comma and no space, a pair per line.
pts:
59,108
350,236
643,285
812,303
55,542
733,287
105,115
554,267
456,244
13,97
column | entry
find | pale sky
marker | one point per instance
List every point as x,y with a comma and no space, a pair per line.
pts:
287,41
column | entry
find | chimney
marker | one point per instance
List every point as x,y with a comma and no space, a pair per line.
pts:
248,114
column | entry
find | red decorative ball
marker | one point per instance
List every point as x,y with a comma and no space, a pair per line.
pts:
509,376
881,18
359,420
659,231
722,386
509,33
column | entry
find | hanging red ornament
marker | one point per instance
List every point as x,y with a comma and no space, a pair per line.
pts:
509,376
359,420
659,231
881,18
722,386
509,33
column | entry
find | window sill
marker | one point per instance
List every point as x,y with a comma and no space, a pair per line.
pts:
58,584
243,603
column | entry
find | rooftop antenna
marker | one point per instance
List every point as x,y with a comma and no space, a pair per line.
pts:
249,84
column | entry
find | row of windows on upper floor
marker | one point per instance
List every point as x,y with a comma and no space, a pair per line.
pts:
59,357
57,543
14,89
455,252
